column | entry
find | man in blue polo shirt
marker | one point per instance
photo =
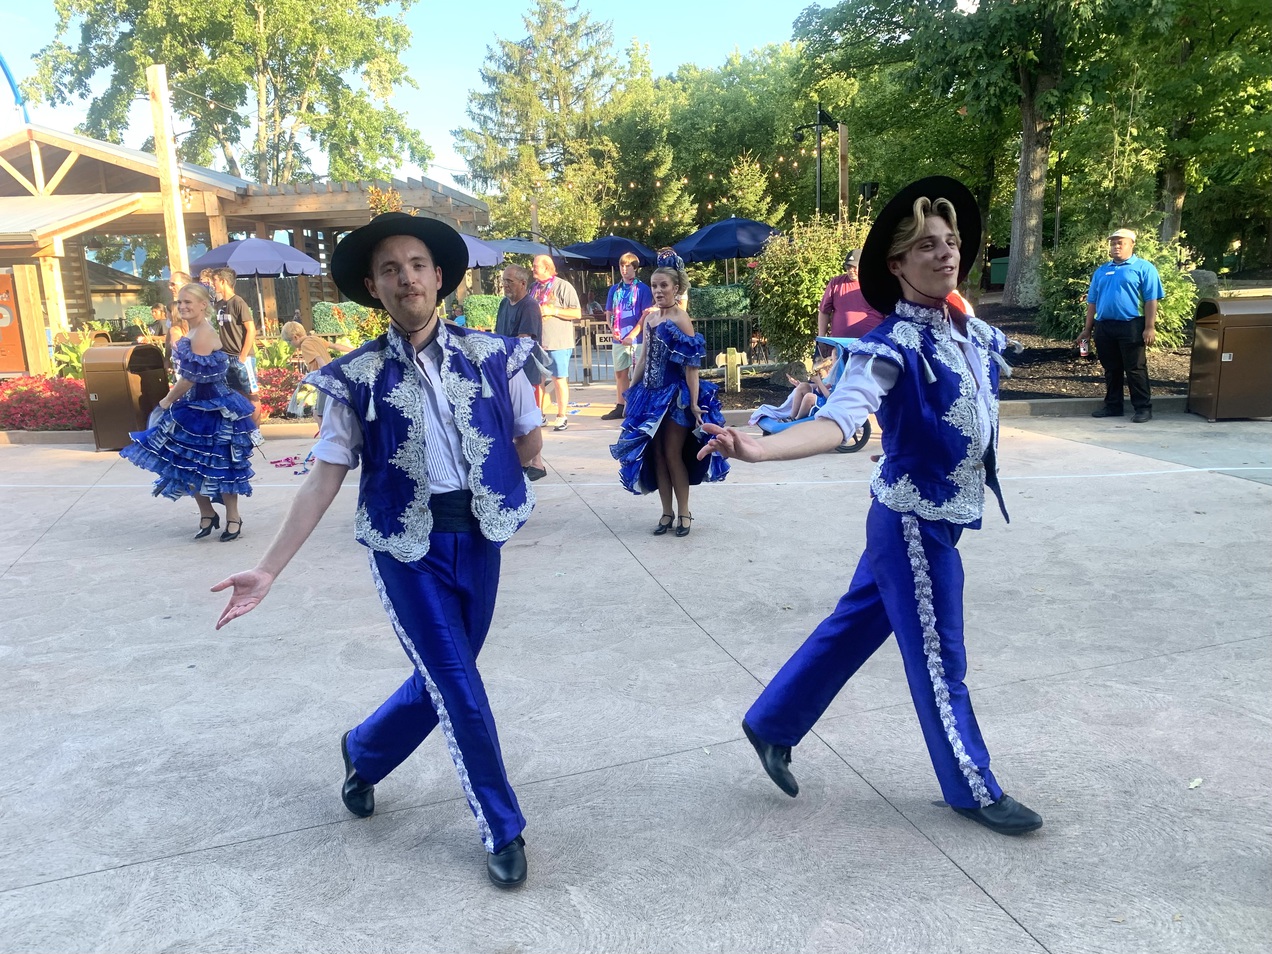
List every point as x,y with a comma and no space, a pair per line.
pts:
1122,308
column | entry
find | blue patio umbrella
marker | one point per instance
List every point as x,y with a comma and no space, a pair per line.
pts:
605,252
258,257
520,246
481,254
728,238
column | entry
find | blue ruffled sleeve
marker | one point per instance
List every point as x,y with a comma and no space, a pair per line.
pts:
688,350
200,368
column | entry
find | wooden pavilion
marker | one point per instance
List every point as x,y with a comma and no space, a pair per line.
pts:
58,190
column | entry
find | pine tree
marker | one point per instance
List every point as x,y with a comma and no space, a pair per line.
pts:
747,194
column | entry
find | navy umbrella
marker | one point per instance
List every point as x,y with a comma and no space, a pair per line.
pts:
728,238
263,258
481,254
520,246
605,252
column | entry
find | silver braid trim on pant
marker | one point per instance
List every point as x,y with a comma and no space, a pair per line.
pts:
443,717
932,649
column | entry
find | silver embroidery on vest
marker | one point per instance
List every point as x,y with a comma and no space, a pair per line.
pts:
936,667
497,522
410,458
439,704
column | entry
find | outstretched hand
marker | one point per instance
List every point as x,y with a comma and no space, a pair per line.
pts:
730,442
250,587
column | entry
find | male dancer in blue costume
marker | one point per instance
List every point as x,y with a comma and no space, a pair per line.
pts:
443,419
931,374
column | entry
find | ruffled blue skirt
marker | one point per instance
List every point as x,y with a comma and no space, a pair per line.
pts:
201,445
647,408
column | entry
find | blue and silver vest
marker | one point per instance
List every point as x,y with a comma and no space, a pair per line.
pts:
381,385
933,464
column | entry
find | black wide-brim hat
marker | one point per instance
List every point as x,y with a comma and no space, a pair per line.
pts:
880,286
351,260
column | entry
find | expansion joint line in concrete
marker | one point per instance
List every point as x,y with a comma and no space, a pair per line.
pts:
87,489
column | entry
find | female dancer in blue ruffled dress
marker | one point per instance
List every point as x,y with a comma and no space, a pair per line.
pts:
666,406
201,445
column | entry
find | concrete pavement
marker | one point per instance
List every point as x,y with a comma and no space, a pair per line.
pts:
168,787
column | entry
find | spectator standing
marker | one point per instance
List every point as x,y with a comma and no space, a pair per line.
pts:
237,329
1122,308
628,301
844,311
519,317
559,305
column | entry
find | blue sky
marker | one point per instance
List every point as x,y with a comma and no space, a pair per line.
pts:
449,48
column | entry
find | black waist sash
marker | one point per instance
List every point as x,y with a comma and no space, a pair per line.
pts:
453,512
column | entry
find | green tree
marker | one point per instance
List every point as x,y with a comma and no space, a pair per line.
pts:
649,201
264,84
1030,55
533,146
747,192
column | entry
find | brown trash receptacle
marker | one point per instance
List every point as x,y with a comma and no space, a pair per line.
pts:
1231,372
124,383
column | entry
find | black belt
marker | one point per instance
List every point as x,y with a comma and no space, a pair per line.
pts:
453,512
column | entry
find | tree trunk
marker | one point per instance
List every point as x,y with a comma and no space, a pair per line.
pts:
1036,128
262,100
1174,188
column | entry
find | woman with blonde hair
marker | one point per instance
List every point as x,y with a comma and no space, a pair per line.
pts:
200,442
666,407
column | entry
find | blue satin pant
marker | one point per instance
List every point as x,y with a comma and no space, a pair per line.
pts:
909,582
440,607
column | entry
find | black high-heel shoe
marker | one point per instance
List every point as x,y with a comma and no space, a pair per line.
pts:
207,525
226,536
664,527
684,528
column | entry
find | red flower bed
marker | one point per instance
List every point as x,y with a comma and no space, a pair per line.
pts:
43,404
277,385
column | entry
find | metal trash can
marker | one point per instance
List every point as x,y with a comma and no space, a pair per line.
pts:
124,383
1231,371
998,270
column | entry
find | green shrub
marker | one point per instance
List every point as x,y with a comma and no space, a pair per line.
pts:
137,315
1066,276
68,357
719,301
273,353
357,322
480,311
788,281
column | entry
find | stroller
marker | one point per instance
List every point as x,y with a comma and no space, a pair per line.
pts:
770,419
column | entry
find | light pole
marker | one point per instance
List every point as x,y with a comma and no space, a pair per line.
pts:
823,119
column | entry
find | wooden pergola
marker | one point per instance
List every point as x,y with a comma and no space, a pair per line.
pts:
59,189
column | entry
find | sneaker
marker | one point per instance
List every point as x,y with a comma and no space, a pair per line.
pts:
617,414
560,424
1104,411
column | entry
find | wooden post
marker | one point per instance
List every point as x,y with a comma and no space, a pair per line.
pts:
733,370
54,294
302,282
35,342
218,233
268,302
845,201
169,174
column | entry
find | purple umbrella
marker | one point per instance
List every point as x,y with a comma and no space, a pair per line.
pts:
262,258
481,254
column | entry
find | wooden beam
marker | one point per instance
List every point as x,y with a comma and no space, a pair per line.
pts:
169,175
302,282
218,233
35,342
22,180
62,170
54,295
37,167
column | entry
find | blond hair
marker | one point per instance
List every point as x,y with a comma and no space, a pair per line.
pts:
910,229
291,328
628,258
678,275
198,291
